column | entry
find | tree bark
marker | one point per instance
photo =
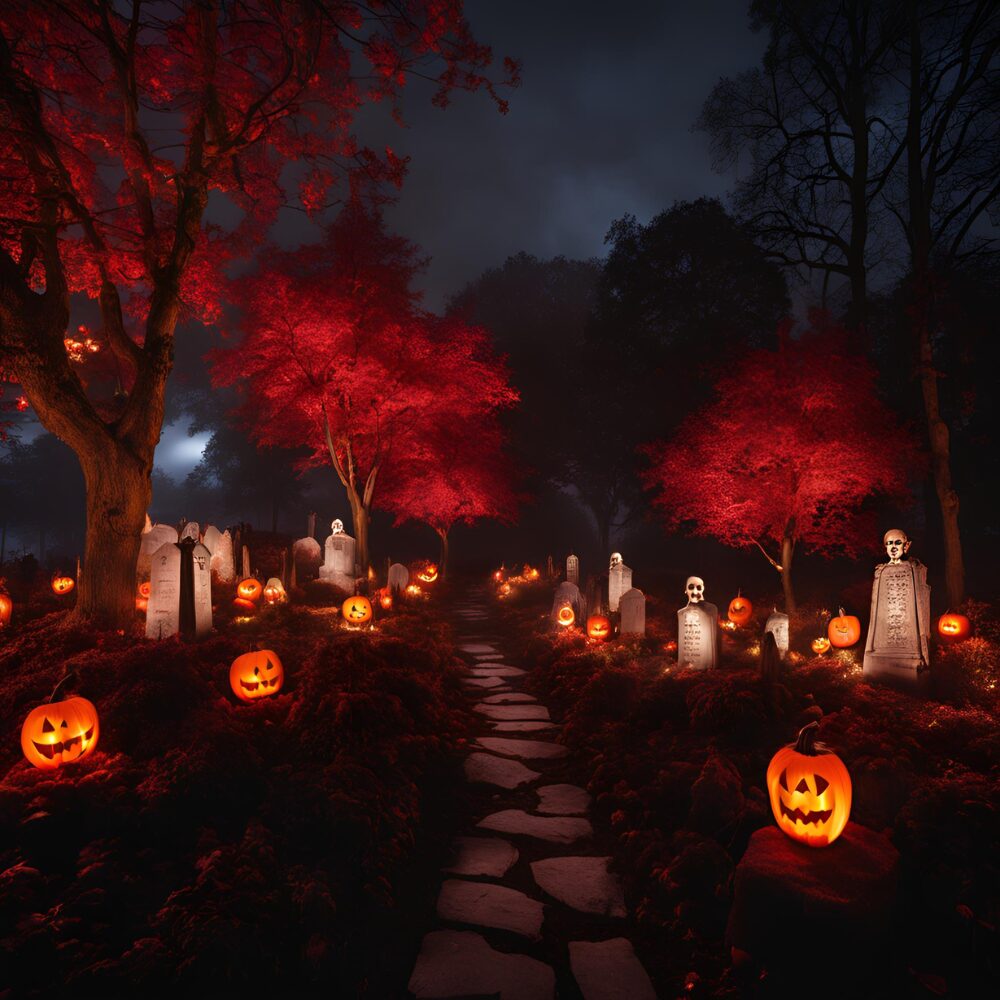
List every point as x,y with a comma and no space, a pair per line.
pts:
787,552
360,518
443,565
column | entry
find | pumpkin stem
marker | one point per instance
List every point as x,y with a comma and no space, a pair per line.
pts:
806,742
55,690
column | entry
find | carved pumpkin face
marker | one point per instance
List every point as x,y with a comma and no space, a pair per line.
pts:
598,627
256,675
810,790
428,574
142,596
249,589
6,607
59,733
62,584
565,616
274,592
821,645
953,627
844,630
357,610
740,610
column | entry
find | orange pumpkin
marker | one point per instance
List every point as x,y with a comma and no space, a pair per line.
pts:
357,610
599,627
565,616
258,674
844,630
821,645
249,589
810,790
59,732
142,597
6,607
384,598
244,607
62,584
953,627
740,610
428,574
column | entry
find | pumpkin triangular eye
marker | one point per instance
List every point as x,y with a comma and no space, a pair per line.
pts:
256,671
64,724
802,786
270,665
47,726
783,780
821,784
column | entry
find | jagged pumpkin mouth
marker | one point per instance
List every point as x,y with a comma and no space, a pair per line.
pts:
816,816
64,747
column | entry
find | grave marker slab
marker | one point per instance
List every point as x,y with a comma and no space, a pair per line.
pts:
633,612
698,635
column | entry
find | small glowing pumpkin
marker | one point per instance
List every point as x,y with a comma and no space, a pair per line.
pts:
249,589
820,645
6,607
599,627
844,630
142,596
565,616
953,627
740,610
59,732
357,610
810,790
62,584
384,597
257,674
428,574
274,592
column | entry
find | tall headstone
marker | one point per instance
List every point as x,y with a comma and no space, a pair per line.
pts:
180,596
398,577
191,530
201,573
777,625
698,628
210,539
633,610
152,540
307,555
164,607
573,569
898,643
619,580
222,558
569,593
338,558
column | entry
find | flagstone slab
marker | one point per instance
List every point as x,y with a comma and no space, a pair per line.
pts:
487,905
609,970
525,749
563,800
499,670
477,647
522,727
585,884
513,713
486,768
484,856
554,829
517,697
490,681
462,964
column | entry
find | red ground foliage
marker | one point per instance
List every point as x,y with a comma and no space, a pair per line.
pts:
213,844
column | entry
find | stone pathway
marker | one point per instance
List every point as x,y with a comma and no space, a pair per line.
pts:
528,907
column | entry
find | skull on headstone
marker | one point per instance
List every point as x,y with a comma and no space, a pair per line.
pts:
896,545
616,560
337,527
695,589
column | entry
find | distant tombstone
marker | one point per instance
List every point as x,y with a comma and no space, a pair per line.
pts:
211,538
152,540
191,530
338,558
180,597
898,643
569,593
698,628
777,625
633,611
222,558
307,555
164,608
619,580
573,569
201,573
399,577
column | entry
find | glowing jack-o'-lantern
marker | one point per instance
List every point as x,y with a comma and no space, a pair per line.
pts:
6,606
384,598
249,589
844,630
810,790
274,592
953,627
257,674
59,732
740,610
428,574
357,610
598,627
821,645
565,616
62,584
142,596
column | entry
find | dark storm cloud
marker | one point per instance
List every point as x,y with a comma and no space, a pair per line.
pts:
600,127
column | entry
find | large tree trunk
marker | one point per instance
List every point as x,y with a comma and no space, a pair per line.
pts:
787,552
360,518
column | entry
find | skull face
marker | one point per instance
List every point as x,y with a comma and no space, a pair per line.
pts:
616,560
695,589
337,527
896,545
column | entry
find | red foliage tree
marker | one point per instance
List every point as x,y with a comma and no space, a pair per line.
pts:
338,356
795,444
121,121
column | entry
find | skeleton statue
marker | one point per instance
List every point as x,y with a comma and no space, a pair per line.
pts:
896,545
337,526
695,589
616,560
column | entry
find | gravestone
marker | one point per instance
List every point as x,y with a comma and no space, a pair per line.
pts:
398,577
698,635
222,558
633,610
152,540
619,580
898,643
777,625
201,572
307,557
180,597
573,570
163,608
338,558
211,537
191,530
569,593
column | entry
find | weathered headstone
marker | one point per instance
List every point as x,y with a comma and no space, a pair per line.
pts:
307,554
338,558
163,610
777,625
633,611
569,593
180,598
152,540
619,580
191,530
201,564
398,577
210,539
573,569
697,628
222,558
898,643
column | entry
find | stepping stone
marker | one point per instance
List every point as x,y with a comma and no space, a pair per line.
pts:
512,713
483,682
518,697
585,884
462,964
488,657
497,771
488,856
563,800
522,727
477,647
525,749
554,829
609,970
487,905
500,670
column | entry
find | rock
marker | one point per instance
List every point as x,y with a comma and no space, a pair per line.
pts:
498,670
492,770
525,749
585,884
477,647
555,829
518,697
513,713
483,682
522,727
462,964
488,905
609,970
489,856
563,800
